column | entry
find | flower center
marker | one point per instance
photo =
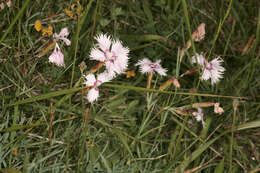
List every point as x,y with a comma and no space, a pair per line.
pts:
110,55
97,83
153,65
209,66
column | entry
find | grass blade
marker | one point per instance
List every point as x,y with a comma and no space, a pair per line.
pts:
15,20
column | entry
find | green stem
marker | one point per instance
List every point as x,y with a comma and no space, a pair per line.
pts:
76,39
72,90
220,26
235,105
186,14
167,92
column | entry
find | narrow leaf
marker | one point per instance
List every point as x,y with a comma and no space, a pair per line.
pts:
147,10
220,167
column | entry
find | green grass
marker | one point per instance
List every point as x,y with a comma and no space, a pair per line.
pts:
47,124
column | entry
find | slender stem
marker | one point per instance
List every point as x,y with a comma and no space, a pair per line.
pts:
149,79
168,92
220,26
76,39
75,53
68,135
186,14
235,105
72,90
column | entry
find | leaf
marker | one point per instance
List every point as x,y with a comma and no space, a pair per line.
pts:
46,96
123,139
104,22
131,107
151,130
116,103
220,167
20,127
9,170
249,125
147,10
106,163
143,37
102,121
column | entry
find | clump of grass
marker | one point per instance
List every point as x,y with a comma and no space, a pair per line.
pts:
47,124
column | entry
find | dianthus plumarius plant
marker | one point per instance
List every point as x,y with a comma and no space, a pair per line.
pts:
114,56
129,86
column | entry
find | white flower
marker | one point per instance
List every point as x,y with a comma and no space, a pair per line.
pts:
91,81
111,52
217,109
210,70
199,116
63,36
147,67
57,57
198,58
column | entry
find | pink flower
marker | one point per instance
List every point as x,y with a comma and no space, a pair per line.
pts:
210,70
57,57
199,33
199,116
111,52
9,3
63,36
2,6
91,81
146,66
